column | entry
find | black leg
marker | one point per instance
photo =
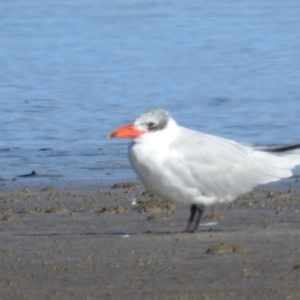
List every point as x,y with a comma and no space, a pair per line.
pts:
200,209
194,210
192,217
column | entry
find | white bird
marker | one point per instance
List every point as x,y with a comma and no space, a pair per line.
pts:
186,166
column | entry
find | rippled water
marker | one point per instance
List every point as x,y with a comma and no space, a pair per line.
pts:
71,72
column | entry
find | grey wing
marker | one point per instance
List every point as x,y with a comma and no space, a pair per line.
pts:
222,168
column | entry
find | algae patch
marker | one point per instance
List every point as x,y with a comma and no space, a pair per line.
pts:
154,205
226,248
125,185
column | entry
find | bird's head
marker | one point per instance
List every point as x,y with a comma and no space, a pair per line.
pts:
151,121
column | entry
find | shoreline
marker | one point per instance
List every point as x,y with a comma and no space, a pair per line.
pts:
90,183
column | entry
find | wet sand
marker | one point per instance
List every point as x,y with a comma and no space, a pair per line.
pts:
96,244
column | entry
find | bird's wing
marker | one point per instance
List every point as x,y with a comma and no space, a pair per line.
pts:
222,168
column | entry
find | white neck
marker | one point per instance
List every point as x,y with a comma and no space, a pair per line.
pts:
160,138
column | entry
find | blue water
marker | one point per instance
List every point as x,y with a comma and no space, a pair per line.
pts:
73,71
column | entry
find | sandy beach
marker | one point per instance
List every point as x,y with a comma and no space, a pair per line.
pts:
123,243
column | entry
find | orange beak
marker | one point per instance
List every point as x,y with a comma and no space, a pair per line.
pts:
126,132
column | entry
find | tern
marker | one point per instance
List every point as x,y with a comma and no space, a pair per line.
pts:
186,166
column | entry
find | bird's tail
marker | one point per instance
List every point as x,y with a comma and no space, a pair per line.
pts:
291,152
282,161
283,149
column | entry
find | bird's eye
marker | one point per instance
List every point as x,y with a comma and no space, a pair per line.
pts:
151,125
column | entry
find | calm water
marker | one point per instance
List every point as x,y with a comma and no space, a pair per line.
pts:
72,72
